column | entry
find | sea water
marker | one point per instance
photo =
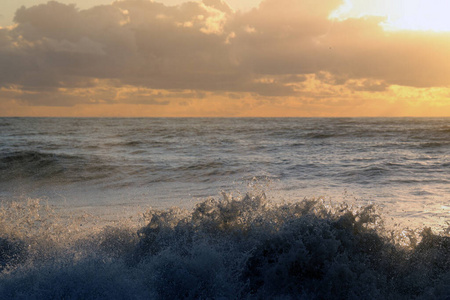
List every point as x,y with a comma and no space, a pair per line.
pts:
309,208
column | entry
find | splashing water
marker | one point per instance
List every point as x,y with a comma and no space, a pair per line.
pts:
246,247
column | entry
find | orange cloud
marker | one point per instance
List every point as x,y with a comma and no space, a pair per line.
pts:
205,59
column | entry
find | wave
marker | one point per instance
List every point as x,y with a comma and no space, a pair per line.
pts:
51,167
246,248
444,143
131,144
31,164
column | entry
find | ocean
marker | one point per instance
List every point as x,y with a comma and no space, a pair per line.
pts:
225,208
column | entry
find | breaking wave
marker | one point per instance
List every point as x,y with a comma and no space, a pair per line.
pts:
246,247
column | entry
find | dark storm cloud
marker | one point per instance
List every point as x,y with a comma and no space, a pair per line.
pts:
206,46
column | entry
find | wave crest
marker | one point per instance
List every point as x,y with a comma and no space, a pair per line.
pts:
247,247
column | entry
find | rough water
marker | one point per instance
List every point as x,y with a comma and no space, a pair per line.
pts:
224,208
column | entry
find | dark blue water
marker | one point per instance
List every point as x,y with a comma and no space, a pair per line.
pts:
75,221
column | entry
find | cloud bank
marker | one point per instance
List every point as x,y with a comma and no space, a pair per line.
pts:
144,52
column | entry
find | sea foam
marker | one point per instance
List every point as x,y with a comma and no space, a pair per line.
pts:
244,247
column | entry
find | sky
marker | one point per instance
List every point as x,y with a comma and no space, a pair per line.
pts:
211,58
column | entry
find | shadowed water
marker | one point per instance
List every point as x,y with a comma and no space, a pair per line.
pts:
245,248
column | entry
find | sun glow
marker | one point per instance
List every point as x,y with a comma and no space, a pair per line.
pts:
421,15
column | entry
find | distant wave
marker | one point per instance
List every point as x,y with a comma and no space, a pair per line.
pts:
53,168
246,248
31,164
435,144
40,166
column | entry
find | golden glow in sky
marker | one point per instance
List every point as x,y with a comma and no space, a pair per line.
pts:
423,15
208,58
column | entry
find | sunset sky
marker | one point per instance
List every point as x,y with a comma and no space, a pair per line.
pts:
229,59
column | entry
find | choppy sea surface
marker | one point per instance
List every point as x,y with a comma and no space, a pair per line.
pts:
294,208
